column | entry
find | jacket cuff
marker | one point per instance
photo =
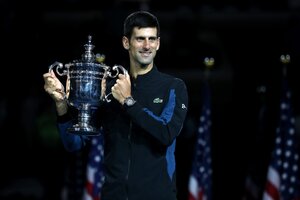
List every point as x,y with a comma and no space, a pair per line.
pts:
64,118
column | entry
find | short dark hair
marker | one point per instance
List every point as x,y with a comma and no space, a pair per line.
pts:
140,19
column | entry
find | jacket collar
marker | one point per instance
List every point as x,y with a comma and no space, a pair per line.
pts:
148,75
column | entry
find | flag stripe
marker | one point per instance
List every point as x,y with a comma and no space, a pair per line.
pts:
273,177
193,187
272,190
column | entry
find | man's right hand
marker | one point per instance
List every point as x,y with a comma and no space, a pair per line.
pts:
55,89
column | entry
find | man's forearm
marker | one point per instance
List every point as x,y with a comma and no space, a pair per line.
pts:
61,108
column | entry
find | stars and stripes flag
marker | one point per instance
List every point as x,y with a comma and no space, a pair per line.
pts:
94,170
199,186
283,172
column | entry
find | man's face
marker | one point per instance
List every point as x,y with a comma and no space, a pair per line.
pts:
143,46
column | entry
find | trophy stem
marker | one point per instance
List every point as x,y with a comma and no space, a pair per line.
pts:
84,127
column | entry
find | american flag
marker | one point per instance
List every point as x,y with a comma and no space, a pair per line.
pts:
283,171
94,170
200,182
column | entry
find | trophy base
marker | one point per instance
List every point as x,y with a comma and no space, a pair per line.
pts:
84,130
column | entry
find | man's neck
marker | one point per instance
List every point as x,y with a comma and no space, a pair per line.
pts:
138,70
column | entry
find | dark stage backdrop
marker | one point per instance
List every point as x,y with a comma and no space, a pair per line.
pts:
246,40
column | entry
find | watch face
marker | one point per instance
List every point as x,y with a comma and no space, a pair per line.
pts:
129,101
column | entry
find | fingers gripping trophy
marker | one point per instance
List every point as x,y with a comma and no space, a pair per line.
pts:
86,86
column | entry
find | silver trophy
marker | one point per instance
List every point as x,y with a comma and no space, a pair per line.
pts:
85,89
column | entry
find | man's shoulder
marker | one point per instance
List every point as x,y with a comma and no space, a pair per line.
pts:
171,80
172,77
169,75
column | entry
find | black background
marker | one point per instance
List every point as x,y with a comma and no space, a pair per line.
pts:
246,39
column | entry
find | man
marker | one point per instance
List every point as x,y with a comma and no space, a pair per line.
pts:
141,122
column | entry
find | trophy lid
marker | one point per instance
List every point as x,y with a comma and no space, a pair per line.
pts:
88,55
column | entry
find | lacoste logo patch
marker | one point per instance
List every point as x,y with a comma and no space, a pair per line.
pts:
157,100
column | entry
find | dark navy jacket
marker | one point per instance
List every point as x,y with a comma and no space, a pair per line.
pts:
140,140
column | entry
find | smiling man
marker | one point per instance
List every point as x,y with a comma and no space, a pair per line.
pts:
140,124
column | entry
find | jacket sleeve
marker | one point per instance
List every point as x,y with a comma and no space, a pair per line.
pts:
167,126
71,142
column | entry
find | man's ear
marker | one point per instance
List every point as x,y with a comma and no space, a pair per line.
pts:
125,42
158,43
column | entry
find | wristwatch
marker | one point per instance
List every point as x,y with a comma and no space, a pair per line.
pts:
129,101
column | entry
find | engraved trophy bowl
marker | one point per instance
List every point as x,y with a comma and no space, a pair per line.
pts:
84,86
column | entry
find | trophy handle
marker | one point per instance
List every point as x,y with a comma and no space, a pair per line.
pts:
117,69
59,66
